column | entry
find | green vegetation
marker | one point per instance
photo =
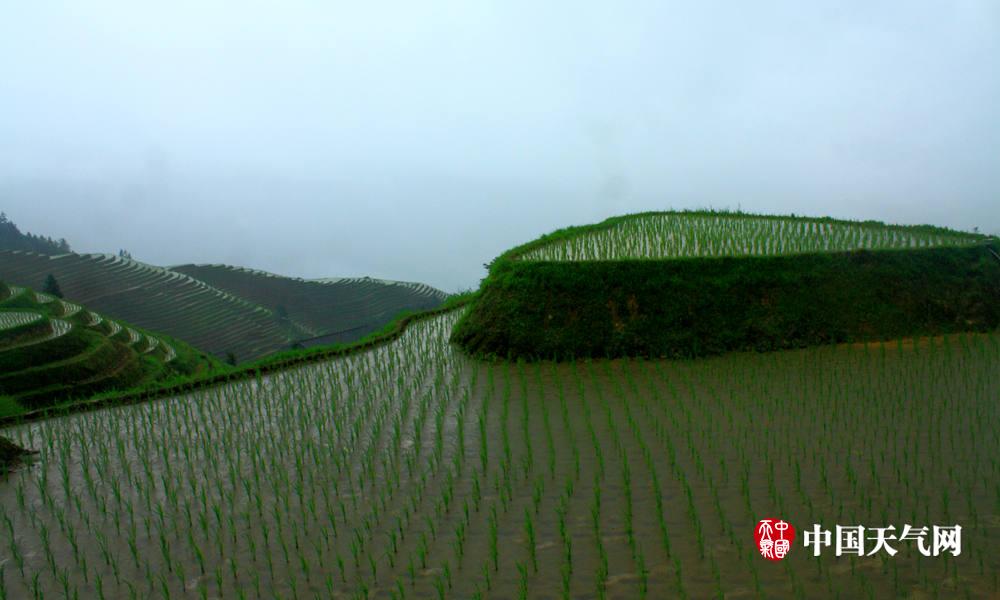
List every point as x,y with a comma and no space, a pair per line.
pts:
706,234
51,286
222,375
400,467
691,284
320,312
236,317
413,471
14,322
11,238
52,350
154,299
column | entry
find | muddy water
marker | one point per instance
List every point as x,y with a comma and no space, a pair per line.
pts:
368,477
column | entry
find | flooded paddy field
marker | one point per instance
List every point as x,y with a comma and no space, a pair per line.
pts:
411,471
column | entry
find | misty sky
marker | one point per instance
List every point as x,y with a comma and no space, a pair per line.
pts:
418,140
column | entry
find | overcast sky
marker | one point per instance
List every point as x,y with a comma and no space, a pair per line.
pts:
418,140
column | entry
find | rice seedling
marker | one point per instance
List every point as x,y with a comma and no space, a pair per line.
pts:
522,584
409,470
675,235
529,531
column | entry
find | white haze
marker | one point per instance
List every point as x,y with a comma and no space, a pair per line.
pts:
418,140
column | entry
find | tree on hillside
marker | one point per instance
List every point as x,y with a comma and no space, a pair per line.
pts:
124,253
51,286
280,312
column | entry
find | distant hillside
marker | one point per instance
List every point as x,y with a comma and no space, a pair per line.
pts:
327,310
11,238
225,311
52,349
156,299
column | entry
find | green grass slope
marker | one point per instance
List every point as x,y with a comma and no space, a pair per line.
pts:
322,311
697,283
52,349
156,299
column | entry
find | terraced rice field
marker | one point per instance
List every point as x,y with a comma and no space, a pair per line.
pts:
352,307
222,309
677,235
151,344
58,350
410,471
60,327
153,298
133,336
57,328
69,309
169,353
12,319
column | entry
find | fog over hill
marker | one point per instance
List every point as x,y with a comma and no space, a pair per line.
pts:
416,141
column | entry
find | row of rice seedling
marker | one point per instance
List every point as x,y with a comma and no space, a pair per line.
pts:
676,235
169,353
66,351
349,307
155,299
410,471
69,309
58,328
355,458
12,319
133,336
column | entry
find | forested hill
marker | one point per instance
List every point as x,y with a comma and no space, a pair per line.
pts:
11,238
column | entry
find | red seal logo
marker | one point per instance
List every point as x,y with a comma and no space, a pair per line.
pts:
774,538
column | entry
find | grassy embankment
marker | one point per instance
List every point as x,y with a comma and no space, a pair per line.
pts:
700,283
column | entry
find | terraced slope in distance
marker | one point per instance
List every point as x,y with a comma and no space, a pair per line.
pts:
51,349
327,310
156,299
